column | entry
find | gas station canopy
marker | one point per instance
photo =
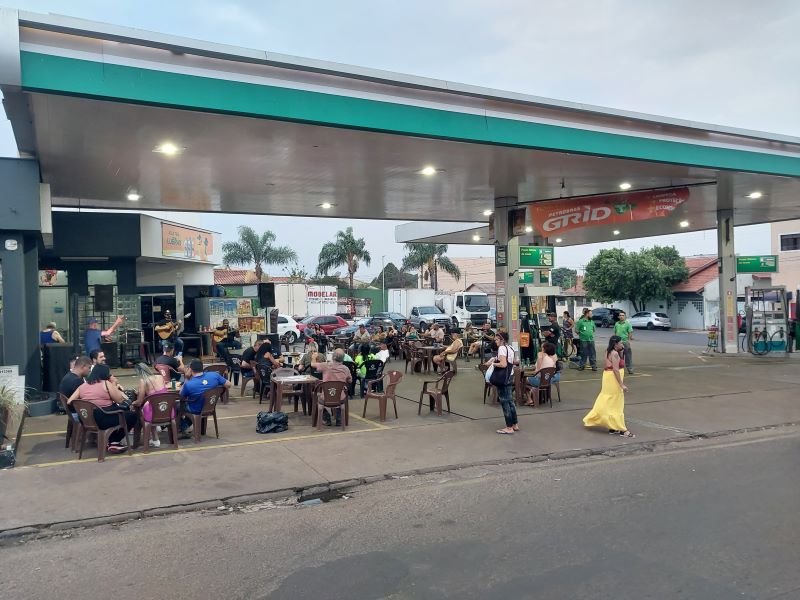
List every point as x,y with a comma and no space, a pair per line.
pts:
120,118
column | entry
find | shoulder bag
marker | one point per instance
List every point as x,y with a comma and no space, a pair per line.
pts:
501,376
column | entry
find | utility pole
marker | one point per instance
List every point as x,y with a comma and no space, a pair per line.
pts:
383,279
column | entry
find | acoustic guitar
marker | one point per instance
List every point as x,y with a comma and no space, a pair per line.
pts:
165,331
222,334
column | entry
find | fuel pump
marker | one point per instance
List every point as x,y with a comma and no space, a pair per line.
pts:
766,314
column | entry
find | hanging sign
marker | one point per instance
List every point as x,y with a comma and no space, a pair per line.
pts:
535,256
757,264
557,216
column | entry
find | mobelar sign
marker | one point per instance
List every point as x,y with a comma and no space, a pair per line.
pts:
557,216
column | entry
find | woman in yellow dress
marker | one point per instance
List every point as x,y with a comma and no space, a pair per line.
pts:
609,407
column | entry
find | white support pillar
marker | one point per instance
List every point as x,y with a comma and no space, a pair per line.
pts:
728,326
506,278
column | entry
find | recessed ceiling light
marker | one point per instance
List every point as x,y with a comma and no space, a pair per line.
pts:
624,185
754,195
559,240
684,223
326,205
429,170
168,148
616,232
476,238
133,196
487,212
528,229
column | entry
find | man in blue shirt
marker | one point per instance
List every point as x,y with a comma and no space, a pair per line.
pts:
93,334
194,388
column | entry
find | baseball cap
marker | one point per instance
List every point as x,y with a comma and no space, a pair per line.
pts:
92,321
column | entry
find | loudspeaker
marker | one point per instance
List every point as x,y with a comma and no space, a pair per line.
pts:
103,298
55,364
273,321
266,294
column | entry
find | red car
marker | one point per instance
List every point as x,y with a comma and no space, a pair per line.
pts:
328,323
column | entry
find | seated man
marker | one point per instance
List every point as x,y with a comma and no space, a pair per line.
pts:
226,336
383,353
451,352
334,371
98,357
487,337
194,388
249,362
305,362
435,333
74,378
266,353
361,336
174,363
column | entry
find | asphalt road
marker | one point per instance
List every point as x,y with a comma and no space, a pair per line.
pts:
715,521
686,338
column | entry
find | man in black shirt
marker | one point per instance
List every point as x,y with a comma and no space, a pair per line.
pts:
249,361
75,376
175,364
169,328
552,331
267,354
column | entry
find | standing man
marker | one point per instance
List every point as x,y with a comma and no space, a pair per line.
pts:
586,327
91,339
167,331
552,332
624,330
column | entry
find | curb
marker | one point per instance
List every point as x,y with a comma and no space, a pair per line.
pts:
316,490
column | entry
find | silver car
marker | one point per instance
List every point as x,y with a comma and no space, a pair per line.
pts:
651,320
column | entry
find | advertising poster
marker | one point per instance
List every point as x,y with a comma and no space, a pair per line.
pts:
244,307
186,243
322,299
558,216
516,222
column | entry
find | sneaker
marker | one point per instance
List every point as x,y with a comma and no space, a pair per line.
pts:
582,368
326,418
159,429
116,448
594,368
156,443
630,371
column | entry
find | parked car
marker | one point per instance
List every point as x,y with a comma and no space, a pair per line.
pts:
287,326
423,317
346,316
371,323
605,317
651,320
398,320
328,323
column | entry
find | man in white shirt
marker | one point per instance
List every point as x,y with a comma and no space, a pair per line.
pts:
383,353
436,333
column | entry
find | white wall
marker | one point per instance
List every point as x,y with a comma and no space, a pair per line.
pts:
165,273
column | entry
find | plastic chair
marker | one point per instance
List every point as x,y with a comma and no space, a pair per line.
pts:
351,389
163,405
373,369
85,412
332,395
417,357
390,389
166,371
543,391
211,398
440,390
73,424
488,389
220,368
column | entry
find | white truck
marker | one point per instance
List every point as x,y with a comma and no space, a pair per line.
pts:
402,301
465,307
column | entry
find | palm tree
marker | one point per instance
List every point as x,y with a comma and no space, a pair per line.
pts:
428,258
256,250
345,251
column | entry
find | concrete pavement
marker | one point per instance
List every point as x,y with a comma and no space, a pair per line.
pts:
676,393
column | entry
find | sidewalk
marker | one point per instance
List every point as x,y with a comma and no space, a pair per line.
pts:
676,396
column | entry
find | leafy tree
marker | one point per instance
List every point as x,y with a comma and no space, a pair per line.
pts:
564,277
428,258
257,250
347,251
395,278
297,274
326,280
636,276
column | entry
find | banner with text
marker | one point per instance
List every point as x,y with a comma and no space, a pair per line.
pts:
186,243
557,216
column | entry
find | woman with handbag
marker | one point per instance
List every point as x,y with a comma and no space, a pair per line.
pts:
108,397
502,378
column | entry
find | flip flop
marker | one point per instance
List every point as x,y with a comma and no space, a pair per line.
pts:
504,432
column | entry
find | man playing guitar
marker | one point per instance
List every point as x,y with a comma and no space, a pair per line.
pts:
167,330
226,336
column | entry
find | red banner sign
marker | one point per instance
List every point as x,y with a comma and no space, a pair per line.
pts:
557,216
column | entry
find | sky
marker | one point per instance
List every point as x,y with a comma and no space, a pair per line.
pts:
731,62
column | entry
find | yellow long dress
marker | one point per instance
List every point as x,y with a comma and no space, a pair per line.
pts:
609,407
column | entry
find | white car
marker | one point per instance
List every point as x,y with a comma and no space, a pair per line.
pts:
288,326
651,320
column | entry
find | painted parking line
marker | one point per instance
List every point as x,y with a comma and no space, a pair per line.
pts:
352,416
159,452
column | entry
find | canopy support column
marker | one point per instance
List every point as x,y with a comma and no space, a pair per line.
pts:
728,327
